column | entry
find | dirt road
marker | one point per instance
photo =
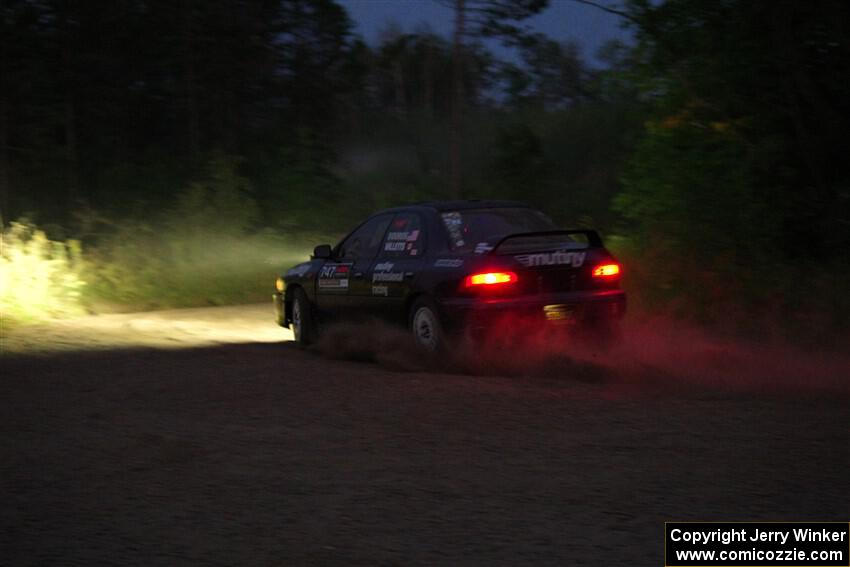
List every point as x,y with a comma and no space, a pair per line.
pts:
216,452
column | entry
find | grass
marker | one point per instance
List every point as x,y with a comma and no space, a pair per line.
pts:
39,278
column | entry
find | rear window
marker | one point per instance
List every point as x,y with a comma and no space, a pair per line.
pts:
577,241
478,230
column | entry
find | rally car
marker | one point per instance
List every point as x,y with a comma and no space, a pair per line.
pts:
448,268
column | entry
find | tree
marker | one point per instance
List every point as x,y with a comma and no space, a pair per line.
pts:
313,45
739,188
480,18
776,78
552,75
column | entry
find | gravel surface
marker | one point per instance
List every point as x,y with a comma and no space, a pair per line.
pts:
215,452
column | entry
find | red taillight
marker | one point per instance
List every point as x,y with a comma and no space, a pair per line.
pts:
606,271
490,278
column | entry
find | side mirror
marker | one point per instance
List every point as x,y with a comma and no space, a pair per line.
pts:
322,252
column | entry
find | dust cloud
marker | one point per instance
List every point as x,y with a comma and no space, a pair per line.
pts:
657,356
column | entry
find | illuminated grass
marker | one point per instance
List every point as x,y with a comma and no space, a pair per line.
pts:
207,248
141,268
39,278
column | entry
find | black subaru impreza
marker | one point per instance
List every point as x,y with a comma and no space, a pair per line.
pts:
444,269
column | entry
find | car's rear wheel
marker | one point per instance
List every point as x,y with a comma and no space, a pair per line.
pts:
425,326
303,324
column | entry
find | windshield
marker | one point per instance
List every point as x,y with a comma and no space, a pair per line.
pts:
478,230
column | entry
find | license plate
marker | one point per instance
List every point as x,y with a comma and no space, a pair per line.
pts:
560,313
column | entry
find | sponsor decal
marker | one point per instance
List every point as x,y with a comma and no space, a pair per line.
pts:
454,224
333,284
298,271
380,290
448,263
414,234
394,246
382,273
575,259
387,276
402,235
334,277
482,247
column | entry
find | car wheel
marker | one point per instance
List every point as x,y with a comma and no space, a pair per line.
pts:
303,324
425,326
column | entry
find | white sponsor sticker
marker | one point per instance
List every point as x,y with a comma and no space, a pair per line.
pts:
448,263
334,276
380,290
575,259
384,267
333,284
387,276
394,246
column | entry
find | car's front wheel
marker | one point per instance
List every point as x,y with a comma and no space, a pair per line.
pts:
303,324
425,326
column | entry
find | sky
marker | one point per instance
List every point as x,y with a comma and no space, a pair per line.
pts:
563,20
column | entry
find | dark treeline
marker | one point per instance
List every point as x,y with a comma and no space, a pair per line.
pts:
713,145
109,102
118,105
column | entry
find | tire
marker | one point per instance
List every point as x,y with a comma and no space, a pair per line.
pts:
425,326
303,323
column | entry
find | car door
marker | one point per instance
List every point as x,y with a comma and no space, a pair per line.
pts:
399,262
343,284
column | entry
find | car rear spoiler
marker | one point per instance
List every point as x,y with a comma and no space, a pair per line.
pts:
593,239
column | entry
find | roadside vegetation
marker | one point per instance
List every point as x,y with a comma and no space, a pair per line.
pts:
188,170
206,248
39,277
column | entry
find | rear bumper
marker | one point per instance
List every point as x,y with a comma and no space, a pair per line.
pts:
555,308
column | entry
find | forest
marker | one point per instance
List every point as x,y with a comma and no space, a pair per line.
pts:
157,154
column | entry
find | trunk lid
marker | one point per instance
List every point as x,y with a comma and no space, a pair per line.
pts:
555,261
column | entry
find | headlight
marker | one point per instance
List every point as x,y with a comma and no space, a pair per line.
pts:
279,285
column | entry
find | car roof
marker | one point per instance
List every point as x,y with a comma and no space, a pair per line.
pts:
460,205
